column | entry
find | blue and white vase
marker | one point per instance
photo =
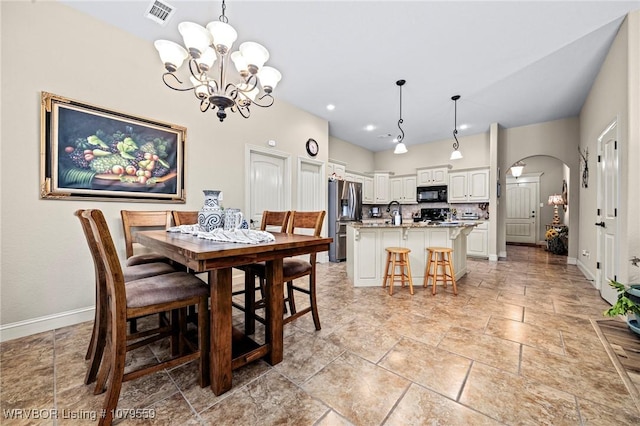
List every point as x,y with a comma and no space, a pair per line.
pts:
211,216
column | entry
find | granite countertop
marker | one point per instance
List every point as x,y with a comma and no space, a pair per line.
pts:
453,224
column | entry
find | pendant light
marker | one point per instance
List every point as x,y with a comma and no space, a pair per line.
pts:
455,154
517,169
401,148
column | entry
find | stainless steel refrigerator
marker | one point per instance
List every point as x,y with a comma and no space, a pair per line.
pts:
345,205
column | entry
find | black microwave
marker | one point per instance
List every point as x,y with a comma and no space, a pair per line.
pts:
432,194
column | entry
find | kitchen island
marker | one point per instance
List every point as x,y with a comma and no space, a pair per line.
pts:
366,243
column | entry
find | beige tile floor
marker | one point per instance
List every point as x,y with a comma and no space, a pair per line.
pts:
516,346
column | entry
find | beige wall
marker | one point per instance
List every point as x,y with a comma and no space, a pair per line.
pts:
46,267
615,94
475,151
558,139
357,158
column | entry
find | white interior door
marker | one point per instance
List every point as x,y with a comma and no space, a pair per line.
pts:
312,193
311,185
522,212
268,186
608,212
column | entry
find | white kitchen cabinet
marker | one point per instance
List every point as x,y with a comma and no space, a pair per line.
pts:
478,241
366,255
395,188
368,194
348,176
432,176
338,169
471,186
403,189
354,177
381,188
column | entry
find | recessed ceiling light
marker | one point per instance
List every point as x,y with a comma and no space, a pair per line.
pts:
395,140
464,126
370,127
331,107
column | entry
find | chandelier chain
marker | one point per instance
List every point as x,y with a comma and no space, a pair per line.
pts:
223,17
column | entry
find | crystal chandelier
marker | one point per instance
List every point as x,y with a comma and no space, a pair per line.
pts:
212,45
455,154
401,148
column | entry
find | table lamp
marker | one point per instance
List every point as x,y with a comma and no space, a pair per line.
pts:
555,200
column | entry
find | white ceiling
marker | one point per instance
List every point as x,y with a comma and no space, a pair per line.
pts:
512,62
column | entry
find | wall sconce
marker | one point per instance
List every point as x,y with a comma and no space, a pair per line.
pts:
517,168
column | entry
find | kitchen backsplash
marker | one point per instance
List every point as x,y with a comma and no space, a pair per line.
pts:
413,210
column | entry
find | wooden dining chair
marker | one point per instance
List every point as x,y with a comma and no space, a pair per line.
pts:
294,268
133,220
184,217
307,223
172,292
131,273
276,221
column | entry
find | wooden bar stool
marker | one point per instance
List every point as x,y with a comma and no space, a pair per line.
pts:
397,256
440,268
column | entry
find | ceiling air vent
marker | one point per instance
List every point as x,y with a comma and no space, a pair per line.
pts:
160,12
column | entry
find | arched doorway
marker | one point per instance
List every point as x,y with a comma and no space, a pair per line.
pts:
528,213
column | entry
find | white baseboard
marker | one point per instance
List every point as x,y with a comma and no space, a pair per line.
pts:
572,261
503,254
493,258
587,273
24,328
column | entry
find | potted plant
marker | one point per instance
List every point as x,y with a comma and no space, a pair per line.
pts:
628,303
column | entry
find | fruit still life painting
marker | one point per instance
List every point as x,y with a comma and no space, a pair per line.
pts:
91,152
98,152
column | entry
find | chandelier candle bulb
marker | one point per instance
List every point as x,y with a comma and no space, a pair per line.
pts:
172,54
255,54
270,77
224,35
207,59
195,37
240,62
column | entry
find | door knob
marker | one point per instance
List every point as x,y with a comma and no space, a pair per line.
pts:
600,224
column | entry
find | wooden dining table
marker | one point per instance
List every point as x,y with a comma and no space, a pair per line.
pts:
230,348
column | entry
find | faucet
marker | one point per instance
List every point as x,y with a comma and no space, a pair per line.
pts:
399,209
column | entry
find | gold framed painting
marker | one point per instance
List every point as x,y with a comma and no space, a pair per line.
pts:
89,152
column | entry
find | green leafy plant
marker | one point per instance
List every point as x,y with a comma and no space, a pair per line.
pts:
624,305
